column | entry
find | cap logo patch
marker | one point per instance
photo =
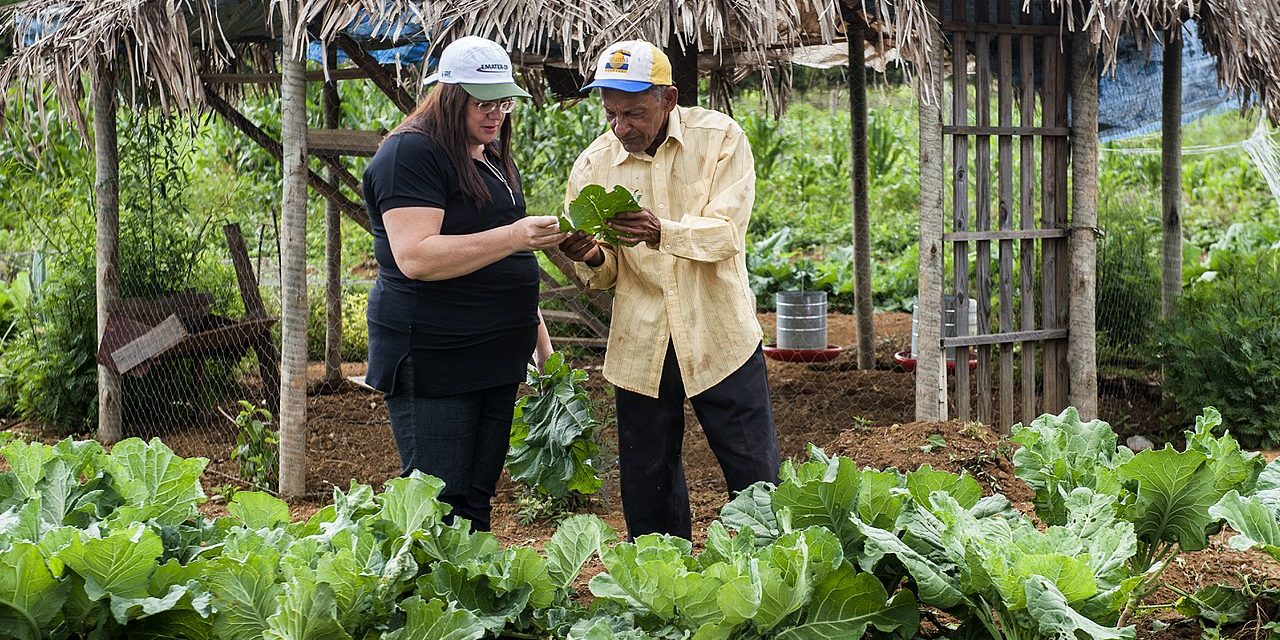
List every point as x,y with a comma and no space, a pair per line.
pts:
619,62
493,67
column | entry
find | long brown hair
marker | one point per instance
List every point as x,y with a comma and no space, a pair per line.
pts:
442,117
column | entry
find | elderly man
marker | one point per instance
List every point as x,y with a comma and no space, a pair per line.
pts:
684,323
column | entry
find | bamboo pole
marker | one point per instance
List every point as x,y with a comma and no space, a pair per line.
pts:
931,369
856,27
1082,351
333,243
1171,173
107,200
293,259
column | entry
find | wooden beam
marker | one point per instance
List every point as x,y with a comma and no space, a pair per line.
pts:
399,97
343,142
263,346
960,215
1171,174
1005,338
1005,130
292,419
154,342
274,78
1027,220
859,189
1082,351
1005,234
106,189
931,369
1002,29
329,190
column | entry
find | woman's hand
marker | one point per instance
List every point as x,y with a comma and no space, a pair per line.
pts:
535,232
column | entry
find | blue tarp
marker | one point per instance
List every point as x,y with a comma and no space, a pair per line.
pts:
1129,102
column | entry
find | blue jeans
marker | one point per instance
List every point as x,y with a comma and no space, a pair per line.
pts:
461,439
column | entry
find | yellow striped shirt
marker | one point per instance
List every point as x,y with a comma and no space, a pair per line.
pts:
692,288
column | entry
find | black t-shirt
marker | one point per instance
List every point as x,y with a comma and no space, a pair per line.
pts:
447,324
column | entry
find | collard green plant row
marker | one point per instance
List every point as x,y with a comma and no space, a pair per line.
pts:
97,544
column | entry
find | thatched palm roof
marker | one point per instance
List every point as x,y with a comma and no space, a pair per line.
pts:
162,46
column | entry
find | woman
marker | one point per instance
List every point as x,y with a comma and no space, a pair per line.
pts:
453,316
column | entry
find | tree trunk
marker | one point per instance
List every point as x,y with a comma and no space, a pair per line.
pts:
1082,353
931,367
107,197
293,259
855,27
332,246
1171,173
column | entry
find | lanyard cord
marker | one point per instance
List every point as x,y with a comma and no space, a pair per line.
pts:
484,158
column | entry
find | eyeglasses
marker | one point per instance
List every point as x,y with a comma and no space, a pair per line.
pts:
504,106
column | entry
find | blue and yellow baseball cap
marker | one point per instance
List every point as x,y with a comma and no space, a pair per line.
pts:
632,65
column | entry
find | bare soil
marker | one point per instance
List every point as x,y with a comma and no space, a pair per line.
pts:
865,415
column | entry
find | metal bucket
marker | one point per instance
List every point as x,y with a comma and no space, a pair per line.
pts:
802,319
949,328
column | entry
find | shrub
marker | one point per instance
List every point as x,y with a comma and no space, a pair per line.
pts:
1222,347
355,328
1128,289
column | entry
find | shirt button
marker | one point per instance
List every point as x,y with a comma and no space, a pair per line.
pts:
658,165
671,293
662,206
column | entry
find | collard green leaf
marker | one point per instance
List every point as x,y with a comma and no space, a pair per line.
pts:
1056,619
846,604
823,495
155,483
922,482
576,539
119,565
1232,468
258,510
433,620
642,575
1174,492
1253,519
789,571
1060,453
553,445
1217,604
751,513
411,503
30,596
592,209
478,593
245,596
308,611
936,582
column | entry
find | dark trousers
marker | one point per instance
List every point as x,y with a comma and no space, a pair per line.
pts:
737,417
460,439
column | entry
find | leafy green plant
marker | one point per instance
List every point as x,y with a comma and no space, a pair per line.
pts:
257,446
1222,348
592,209
1164,494
553,449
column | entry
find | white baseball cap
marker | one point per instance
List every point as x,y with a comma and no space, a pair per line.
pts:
481,66
632,65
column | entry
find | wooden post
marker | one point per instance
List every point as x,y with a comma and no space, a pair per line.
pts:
1004,146
960,202
1171,173
855,28
332,244
931,366
1082,351
107,199
293,281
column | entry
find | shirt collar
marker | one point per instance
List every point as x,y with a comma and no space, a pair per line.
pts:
675,133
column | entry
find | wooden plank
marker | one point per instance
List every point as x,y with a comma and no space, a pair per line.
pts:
1027,220
1005,130
960,217
1006,29
152,311
931,367
151,344
343,142
240,335
245,278
274,78
331,106
1004,49
1038,335
1006,234
982,168
1048,197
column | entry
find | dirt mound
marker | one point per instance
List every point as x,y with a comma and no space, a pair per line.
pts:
953,446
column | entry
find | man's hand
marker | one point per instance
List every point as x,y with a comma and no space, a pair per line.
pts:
582,247
634,227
